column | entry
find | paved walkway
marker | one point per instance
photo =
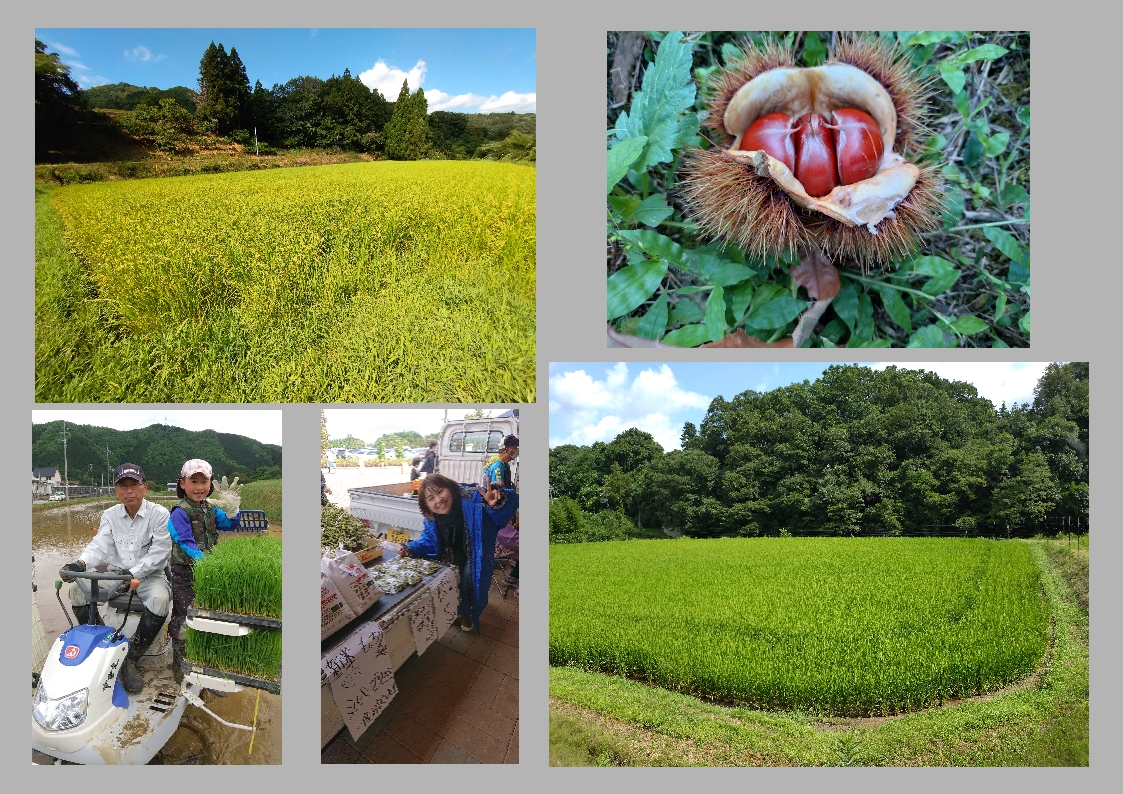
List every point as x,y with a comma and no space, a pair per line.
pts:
457,703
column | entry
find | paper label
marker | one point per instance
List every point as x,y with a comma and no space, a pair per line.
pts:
422,620
362,677
446,599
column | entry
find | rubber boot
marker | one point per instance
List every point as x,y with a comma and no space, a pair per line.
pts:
82,614
146,631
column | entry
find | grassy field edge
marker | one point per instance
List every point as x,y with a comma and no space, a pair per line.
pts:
608,720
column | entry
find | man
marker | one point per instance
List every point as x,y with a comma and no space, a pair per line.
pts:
132,539
429,465
498,469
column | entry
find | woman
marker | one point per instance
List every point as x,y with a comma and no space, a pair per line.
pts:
461,522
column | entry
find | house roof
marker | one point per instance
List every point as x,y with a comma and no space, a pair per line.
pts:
44,471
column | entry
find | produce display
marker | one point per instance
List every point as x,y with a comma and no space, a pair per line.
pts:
241,575
845,626
257,654
338,526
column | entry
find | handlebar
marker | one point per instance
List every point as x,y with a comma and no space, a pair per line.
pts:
96,576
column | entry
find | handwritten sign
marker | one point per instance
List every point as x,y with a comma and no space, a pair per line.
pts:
422,619
362,677
446,598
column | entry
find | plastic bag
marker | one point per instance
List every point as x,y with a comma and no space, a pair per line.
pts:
351,578
334,612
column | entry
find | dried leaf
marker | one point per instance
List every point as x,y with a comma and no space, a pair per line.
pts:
617,339
818,275
740,339
629,46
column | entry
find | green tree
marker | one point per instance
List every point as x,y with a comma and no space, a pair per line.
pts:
517,147
617,487
59,105
224,90
406,135
325,441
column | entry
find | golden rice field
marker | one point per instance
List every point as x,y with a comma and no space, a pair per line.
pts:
364,282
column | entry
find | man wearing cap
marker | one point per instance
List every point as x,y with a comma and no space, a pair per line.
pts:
132,539
194,523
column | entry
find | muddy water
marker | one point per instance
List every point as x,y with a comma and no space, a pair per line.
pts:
59,533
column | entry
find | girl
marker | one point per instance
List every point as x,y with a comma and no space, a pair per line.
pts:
194,524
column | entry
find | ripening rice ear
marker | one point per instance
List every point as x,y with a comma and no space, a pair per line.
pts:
853,191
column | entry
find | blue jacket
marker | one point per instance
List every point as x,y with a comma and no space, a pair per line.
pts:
483,524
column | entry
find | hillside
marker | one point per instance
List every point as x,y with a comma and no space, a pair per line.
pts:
158,449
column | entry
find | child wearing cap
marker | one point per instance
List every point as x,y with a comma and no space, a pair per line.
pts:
194,524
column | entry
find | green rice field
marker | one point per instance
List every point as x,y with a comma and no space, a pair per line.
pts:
362,282
842,626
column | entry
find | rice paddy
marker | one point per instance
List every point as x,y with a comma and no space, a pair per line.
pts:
841,626
363,282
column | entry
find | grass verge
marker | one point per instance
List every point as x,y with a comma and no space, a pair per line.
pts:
600,719
264,495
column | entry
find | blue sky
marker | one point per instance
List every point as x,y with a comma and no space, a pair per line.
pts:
265,426
369,424
467,71
597,401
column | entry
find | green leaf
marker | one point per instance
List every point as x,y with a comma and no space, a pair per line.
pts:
940,284
1023,116
895,307
691,290
997,144
944,274
738,297
1018,273
963,104
953,75
999,306
1014,194
1024,323
929,336
722,272
687,336
935,143
630,286
986,52
846,303
685,312
730,53
654,322
973,150
624,206
1006,243
653,210
715,315
928,37
814,53
775,313
621,156
969,325
659,110
656,245
953,206
863,331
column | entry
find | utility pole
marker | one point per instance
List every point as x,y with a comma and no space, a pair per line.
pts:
65,465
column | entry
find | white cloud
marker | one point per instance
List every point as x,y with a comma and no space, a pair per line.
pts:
144,54
584,409
998,381
510,102
388,79
439,100
62,49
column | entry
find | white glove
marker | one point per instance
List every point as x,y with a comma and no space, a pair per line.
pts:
228,496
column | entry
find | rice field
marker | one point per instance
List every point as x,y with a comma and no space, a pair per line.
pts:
363,282
241,575
842,626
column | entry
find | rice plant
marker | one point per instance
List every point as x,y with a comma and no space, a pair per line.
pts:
363,282
257,654
241,575
867,626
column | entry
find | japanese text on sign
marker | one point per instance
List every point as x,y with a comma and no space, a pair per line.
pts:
423,622
362,677
445,600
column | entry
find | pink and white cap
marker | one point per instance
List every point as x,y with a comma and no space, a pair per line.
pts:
196,466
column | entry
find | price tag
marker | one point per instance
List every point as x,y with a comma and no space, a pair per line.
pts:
422,619
362,677
397,535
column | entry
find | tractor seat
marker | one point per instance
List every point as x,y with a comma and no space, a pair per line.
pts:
121,603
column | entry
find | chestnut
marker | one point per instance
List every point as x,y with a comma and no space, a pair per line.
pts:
772,133
857,143
815,163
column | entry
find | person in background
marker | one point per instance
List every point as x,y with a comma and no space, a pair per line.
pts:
461,523
497,473
429,464
194,524
132,539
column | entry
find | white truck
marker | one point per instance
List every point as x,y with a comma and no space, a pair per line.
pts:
464,448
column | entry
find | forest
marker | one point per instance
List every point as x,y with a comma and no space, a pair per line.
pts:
339,113
857,452
158,449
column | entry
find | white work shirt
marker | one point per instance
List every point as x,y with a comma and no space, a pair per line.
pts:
141,545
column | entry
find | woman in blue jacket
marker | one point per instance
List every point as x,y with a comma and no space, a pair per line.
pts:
461,523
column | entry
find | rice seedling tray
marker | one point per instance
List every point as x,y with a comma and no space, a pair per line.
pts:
251,521
234,617
258,683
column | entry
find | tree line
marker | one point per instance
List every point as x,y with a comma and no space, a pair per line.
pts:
158,449
305,112
856,452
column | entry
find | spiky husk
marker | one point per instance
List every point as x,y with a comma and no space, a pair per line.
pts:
731,202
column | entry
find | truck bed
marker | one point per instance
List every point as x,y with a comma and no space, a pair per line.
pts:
387,507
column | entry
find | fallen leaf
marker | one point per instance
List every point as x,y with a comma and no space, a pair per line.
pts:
740,339
816,273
